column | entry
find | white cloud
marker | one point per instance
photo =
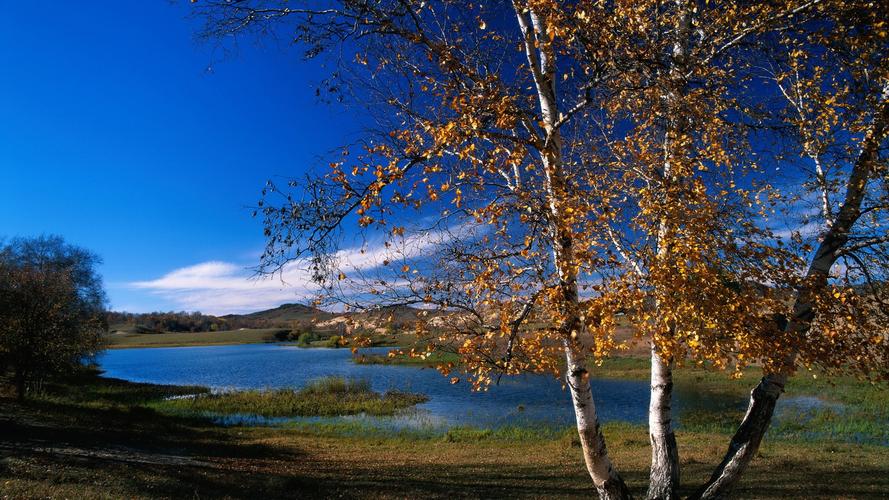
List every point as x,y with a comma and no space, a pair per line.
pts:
806,231
217,287
223,287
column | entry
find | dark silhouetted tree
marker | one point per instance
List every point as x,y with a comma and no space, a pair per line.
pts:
51,309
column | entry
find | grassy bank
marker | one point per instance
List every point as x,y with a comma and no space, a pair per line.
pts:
101,438
126,340
397,358
182,339
814,407
325,397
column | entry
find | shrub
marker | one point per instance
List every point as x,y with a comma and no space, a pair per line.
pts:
306,338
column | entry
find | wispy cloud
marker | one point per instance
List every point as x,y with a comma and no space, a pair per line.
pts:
218,287
806,231
224,287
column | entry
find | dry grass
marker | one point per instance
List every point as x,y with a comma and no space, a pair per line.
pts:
180,339
97,440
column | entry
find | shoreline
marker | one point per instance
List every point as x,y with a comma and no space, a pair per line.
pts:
126,340
104,435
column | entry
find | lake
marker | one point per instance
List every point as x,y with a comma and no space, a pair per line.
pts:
520,400
525,400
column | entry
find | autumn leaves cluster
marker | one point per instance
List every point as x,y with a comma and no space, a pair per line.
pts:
674,165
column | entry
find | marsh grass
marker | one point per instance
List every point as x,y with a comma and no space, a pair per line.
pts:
851,410
405,360
111,444
326,397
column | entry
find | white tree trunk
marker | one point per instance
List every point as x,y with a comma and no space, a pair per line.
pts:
607,481
664,475
746,441
664,472
541,62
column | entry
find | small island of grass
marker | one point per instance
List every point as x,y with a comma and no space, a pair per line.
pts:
329,396
402,358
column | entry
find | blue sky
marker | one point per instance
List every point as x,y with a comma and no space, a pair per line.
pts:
114,134
126,136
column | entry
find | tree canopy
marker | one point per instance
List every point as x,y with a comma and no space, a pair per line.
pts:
51,308
542,166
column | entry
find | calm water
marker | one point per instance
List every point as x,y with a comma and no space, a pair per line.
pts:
526,400
520,400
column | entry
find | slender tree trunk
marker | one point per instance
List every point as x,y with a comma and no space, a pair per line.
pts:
664,472
747,438
763,398
745,443
607,481
21,386
541,62
664,476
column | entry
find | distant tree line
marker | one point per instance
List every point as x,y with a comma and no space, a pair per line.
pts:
169,321
183,321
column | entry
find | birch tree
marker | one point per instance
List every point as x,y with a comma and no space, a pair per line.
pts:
558,163
684,222
831,81
474,131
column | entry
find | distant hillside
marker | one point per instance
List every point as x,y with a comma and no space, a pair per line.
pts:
393,313
283,314
291,316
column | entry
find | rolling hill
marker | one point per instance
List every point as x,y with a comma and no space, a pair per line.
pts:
282,314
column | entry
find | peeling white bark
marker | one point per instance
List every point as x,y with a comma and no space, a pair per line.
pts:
541,62
607,481
664,475
664,472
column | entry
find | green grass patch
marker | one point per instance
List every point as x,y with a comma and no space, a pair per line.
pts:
434,359
86,389
326,397
183,339
845,409
90,437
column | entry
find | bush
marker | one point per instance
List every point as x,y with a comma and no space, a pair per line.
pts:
306,338
336,385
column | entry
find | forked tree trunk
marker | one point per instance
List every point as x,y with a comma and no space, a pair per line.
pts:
745,442
607,481
664,476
